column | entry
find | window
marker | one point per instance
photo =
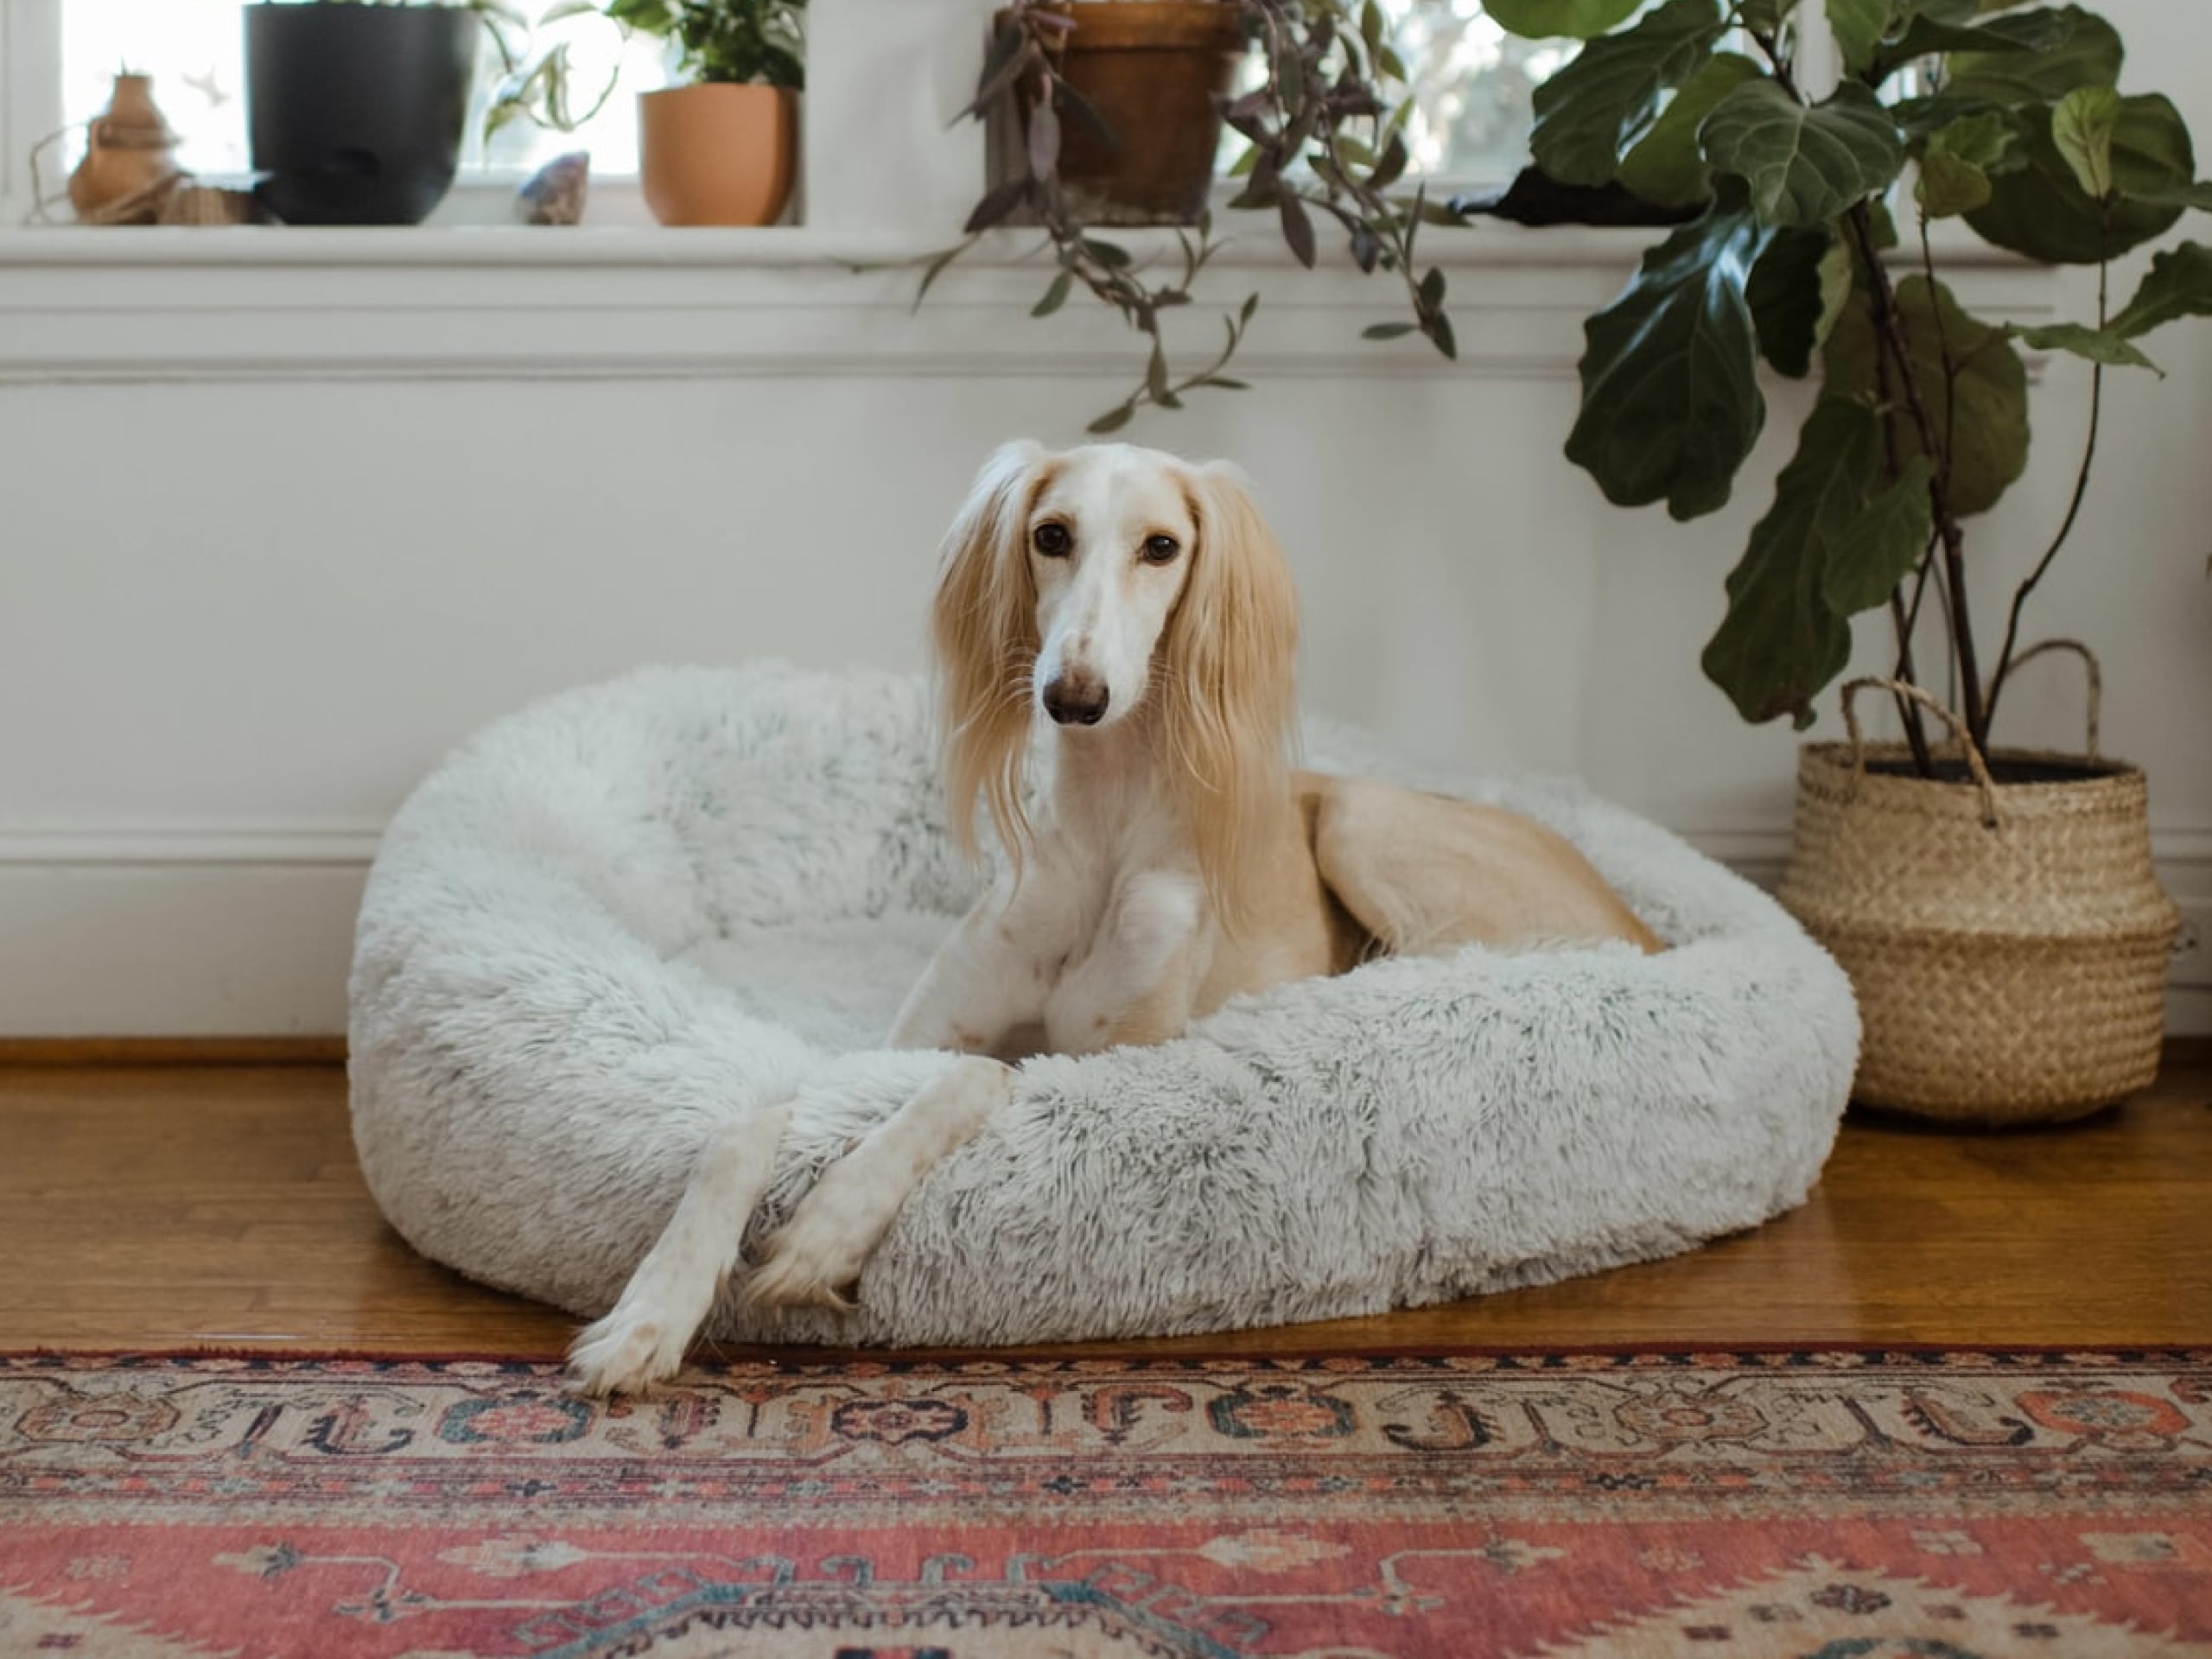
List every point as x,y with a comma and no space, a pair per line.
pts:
1473,83
194,49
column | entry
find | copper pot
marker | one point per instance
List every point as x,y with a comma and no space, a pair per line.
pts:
717,154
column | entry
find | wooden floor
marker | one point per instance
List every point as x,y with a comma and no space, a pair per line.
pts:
221,1205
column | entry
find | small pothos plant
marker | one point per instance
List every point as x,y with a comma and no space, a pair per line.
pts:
1326,140
2009,118
734,40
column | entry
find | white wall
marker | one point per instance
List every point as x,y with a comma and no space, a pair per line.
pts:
271,539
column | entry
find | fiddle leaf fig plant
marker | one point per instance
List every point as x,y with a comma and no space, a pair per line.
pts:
2005,117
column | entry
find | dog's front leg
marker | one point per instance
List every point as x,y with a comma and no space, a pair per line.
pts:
1138,982
820,1249
642,1341
980,984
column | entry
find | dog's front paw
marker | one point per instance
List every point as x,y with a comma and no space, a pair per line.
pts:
627,1352
818,1256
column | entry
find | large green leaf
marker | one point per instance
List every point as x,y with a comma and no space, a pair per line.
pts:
1666,167
1857,26
1884,547
1670,397
1804,165
2041,210
1594,111
1987,136
1545,20
2197,195
2089,55
1949,185
1989,432
1796,292
1782,641
1924,34
2104,346
2179,285
1957,161
2083,125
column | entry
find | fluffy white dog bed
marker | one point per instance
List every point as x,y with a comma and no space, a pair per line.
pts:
608,923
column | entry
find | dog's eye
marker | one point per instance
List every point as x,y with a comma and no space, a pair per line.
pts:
1159,550
1052,540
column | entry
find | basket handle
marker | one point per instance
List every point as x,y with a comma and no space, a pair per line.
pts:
1987,785
2088,663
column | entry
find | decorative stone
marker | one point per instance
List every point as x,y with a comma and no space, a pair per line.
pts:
555,193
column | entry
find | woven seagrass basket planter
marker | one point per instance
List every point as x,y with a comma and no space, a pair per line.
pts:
2008,941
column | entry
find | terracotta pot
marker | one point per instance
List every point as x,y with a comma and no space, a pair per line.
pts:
1152,69
716,154
130,153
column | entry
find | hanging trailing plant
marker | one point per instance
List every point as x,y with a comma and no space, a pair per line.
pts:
1324,142
2011,120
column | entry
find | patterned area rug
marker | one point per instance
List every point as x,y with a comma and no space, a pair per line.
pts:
1836,1504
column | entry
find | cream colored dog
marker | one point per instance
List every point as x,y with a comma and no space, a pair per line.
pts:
1140,606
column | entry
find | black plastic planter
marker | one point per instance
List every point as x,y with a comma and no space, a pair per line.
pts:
356,111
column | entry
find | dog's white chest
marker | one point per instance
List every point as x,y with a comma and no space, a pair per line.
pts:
1138,930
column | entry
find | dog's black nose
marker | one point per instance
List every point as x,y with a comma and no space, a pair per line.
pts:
1074,700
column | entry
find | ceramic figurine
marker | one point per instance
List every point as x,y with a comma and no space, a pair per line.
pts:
130,155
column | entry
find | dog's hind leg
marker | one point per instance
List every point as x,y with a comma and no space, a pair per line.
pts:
643,1340
1424,874
821,1248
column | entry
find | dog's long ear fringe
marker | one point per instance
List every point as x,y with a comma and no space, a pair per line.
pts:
984,627
1230,686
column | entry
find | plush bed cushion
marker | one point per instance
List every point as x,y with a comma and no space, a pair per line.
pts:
610,922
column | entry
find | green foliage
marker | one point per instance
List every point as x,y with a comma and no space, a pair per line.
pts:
1671,395
2179,285
1834,531
2016,123
1544,20
738,40
1667,166
1988,429
1325,138
720,39
1797,293
1805,164
2042,211
1591,114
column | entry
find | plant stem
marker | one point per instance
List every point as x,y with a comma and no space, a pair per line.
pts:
1889,326
1915,734
1908,712
2074,508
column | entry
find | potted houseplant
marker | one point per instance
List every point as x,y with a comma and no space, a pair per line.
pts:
1995,908
1107,112
722,149
1143,82
354,110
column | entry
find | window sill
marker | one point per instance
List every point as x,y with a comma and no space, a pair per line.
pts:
472,300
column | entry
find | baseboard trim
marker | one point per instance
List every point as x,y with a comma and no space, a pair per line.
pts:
103,1052
171,934
27,1053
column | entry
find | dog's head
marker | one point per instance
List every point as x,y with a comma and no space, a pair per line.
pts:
1106,584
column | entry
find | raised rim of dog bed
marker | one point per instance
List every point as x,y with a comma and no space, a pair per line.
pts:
609,922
